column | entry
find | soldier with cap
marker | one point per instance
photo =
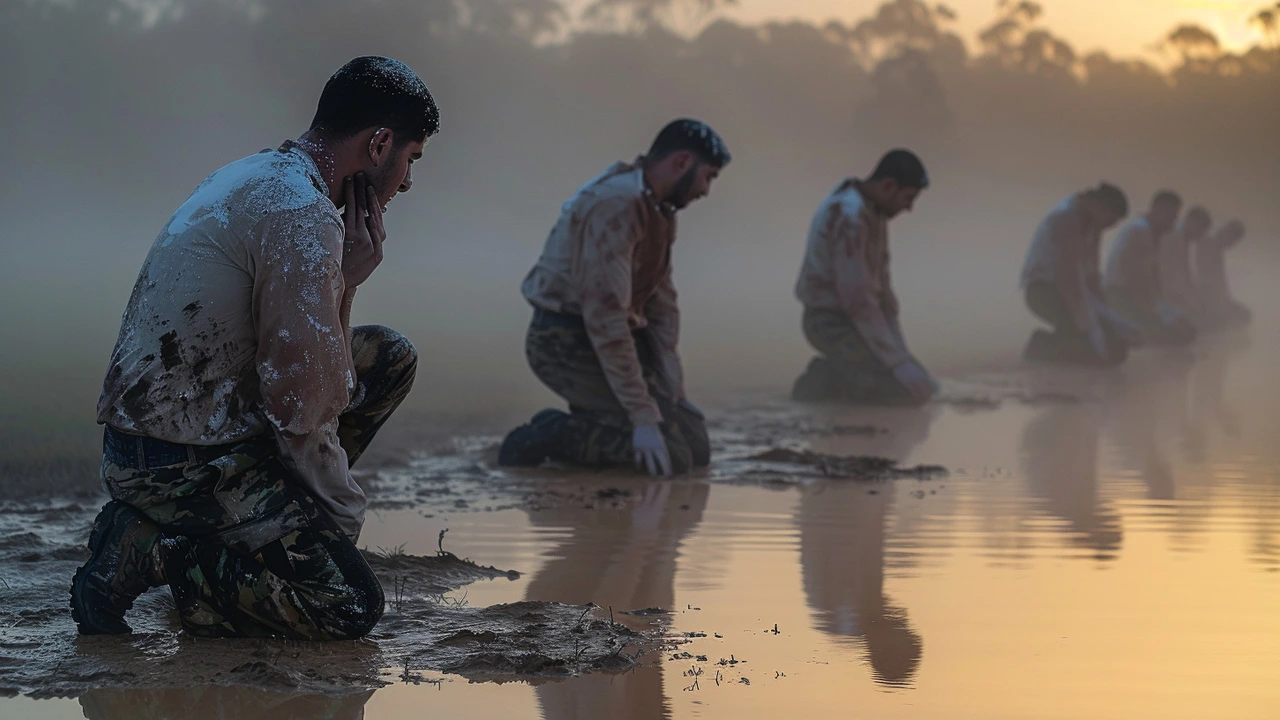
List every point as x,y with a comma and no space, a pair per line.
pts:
606,323
850,310
1063,283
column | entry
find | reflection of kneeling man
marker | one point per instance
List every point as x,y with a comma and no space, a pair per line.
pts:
850,311
1064,286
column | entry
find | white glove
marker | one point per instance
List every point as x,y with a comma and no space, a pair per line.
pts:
651,450
1098,341
915,379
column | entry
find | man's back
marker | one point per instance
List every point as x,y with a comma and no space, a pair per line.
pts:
842,224
184,369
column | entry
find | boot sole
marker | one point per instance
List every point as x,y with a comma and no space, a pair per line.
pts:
77,585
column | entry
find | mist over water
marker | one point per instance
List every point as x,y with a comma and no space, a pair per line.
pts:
114,116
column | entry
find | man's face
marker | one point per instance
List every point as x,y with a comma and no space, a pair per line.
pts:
395,173
1102,215
1197,228
1163,218
694,184
898,198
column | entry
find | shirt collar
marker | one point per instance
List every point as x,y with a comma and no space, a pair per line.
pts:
309,163
650,196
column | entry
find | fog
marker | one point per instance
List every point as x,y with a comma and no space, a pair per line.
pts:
115,111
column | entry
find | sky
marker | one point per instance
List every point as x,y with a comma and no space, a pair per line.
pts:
1121,27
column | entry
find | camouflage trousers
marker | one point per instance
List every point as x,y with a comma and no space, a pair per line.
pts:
1067,343
847,370
245,550
596,431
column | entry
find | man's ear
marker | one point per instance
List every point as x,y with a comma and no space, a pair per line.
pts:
682,161
380,145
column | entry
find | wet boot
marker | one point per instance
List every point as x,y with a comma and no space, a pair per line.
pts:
123,563
532,443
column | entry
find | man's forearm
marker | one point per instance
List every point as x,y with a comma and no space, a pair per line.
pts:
344,312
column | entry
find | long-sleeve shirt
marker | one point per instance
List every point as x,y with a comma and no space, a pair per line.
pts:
1064,253
235,328
846,268
1176,284
1134,264
608,260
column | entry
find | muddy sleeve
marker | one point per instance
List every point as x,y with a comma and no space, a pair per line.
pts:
860,299
304,359
602,274
663,313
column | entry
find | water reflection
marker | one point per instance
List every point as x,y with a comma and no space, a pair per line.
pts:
843,526
624,558
1060,456
212,702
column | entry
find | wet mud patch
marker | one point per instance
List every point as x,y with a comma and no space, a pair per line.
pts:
857,467
427,626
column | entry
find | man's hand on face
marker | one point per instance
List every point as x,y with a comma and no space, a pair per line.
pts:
362,218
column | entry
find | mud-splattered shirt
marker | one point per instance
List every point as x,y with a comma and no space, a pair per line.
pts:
846,267
1134,264
608,260
1065,253
234,328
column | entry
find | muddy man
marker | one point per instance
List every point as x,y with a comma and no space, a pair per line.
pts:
239,395
850,309
606,322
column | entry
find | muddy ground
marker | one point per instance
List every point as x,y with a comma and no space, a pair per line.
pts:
429,467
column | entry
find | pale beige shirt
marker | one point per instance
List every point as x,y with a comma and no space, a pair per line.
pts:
608,260
1133,266
846,268
234,328
1065,253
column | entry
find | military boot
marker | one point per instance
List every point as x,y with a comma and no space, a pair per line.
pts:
123,563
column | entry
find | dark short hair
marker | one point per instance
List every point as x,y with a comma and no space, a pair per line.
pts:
1166,198
689,135
902,166
1113,197
375,91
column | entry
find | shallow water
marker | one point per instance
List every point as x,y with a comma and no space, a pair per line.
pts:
1117,557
